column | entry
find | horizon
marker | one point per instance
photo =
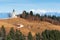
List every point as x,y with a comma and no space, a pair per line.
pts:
39,5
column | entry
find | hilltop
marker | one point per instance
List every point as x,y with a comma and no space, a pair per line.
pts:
26,23
30,16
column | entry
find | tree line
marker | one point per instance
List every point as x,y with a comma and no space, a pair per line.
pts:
18,35
27,14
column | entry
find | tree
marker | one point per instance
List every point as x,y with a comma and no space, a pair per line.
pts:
53,17
8,37
51,35
41,18
12,33
49,16
38,36
44,36
3,32
0,33
24,14
31,13
19,35
27,13
45,15
38,15
30,37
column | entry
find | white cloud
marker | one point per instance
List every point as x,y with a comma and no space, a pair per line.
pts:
44,11
39,11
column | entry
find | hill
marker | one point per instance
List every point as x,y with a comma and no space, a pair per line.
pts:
33,26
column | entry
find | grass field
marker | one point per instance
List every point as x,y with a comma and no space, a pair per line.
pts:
32,26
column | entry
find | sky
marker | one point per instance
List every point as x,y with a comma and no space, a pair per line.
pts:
34,5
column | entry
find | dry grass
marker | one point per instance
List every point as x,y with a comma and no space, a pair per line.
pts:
33,26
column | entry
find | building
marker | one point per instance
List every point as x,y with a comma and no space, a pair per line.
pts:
13,14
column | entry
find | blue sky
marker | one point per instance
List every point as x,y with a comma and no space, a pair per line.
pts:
20,5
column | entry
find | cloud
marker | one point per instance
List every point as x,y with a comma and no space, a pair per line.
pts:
39,11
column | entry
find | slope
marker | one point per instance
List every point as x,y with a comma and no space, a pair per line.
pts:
32,26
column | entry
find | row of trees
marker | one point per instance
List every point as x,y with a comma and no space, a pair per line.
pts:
39,16
17,35
51,35
26,14
52,17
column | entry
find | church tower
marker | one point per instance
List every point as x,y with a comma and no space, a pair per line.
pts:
14,14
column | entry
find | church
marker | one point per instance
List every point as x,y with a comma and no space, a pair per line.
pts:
13,14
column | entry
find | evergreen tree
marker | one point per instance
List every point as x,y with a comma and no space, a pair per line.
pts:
49,16
30,37
54,17
51,35
45,15
27,14
24,12
44,36
12,33
3,33
19,35
8,37
31,13
0,33
38,15
38,36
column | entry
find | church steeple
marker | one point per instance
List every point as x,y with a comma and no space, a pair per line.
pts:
14,14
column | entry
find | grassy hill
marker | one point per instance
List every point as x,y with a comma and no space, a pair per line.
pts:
33,26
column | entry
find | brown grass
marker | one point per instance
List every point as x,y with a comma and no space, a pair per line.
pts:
32,26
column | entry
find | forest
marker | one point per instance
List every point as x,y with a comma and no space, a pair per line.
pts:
17,35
